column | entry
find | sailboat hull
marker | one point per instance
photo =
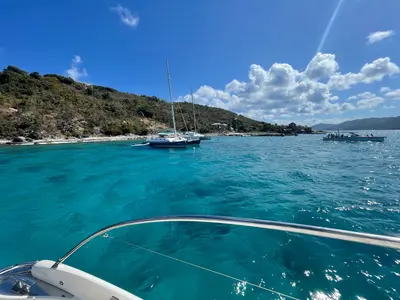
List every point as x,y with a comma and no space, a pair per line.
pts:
193,137
194,142
180,144
205,138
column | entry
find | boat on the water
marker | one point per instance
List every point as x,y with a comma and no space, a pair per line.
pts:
352,137
205,137
54,280
237,134
193,137
168,140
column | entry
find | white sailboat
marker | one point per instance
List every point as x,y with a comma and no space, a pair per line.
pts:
168,141
192,136
54,280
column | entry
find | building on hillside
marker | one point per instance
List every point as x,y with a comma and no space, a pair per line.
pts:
220,127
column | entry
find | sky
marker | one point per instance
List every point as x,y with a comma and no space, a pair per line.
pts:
307,61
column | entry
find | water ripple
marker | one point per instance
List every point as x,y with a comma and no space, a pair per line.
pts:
53,196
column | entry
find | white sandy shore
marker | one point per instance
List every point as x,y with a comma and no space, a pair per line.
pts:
95,139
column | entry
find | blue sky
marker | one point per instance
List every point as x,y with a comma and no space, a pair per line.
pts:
258,58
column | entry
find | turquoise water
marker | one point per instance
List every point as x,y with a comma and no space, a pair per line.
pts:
53,196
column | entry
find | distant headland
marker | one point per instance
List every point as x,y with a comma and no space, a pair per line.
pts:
388,123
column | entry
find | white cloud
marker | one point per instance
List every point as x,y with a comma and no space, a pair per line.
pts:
281,91
369,73
313,121
334,98
347,106
395,94
126,16
378,36
366,100
369,100
369,103
365,95
344,82
235,86
385,89
75,72
323,65
378,69
77,59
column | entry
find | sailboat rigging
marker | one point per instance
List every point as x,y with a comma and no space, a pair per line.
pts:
168,140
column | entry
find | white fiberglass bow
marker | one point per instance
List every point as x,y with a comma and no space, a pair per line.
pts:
54,280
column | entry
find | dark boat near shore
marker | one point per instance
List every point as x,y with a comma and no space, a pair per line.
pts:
352,137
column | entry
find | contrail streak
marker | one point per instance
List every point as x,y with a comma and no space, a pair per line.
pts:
329,27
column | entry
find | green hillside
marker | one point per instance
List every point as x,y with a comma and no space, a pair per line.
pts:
51,105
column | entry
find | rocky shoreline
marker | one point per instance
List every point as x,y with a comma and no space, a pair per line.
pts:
21,141
55,141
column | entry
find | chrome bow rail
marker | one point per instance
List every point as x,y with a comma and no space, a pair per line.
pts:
359,237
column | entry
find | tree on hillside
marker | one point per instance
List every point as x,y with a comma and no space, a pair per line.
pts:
35,75
16,70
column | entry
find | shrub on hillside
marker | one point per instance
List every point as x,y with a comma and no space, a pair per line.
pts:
145,111
62,79
117,127
35,75
16,70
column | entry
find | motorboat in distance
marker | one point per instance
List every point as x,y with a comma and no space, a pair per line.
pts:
352,137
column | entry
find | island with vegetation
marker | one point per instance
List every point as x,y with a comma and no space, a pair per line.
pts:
52,106
386,123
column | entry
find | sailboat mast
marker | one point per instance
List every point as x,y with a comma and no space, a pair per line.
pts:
194,114
170,98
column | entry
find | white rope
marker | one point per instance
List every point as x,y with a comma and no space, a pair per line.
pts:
203,268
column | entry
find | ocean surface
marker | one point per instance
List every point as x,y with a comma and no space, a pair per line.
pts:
51,197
